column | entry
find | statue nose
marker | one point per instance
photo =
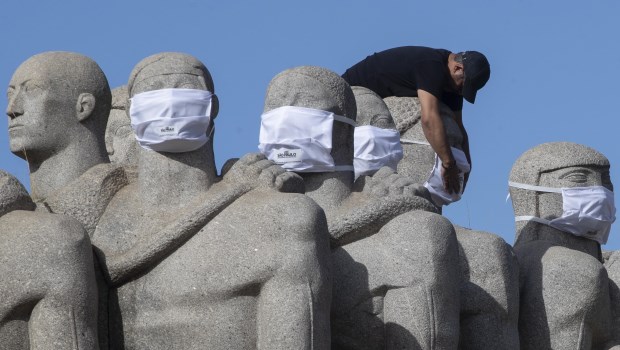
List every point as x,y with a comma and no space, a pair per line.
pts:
14,109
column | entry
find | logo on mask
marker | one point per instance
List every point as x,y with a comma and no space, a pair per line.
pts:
168,130
287,156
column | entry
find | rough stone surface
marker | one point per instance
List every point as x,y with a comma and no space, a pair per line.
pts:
58,104
564,287
120,141
612,265
394,275
208,262
489,271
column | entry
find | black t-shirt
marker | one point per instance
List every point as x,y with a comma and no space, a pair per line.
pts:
401,71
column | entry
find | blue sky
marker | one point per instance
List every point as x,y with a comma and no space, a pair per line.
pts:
553,66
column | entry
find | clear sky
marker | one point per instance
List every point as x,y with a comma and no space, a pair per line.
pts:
554,73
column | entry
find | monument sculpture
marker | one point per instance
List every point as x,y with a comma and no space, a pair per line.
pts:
489,271
120,141
195,259
58,104
612,265
564,286
48,295
394,275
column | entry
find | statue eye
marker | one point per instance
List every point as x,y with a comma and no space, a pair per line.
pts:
577,176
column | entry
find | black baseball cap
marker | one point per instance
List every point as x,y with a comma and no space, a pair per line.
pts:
477,73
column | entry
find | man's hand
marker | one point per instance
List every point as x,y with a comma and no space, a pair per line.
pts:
450,176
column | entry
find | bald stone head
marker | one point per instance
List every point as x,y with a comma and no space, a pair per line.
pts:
54,99
418,160
371,110
317,88
556,164
13,195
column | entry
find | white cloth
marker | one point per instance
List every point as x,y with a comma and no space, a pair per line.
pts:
300,139
434,184
375,148
171,120
587,211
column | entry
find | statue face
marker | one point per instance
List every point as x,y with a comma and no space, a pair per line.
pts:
170,81
372,111
550,204
301,91
120,141
41,109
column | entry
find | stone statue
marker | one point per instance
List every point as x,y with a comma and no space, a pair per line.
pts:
564,287
48,295
612,265
58,108
197,260
489,270
120,141
394,266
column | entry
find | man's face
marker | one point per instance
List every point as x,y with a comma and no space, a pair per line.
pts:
550,204
40,112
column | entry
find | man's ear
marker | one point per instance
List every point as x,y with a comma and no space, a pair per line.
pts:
85,106
215,106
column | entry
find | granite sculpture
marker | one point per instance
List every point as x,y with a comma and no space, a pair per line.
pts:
48,295
489,270
612,265
395,267
564,287
59,103
196,260
120,141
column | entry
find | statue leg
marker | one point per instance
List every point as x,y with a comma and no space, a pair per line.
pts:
489,292
564,298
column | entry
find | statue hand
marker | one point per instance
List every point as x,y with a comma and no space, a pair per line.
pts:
386,182
254,170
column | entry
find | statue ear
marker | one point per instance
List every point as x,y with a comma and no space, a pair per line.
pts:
85,106
215,106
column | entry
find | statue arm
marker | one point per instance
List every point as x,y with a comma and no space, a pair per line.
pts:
293,307
120,268
378,199
251,171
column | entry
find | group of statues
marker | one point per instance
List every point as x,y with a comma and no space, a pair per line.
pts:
120,247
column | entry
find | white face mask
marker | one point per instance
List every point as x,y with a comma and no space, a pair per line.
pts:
171,120
587,211
300,139
434,184
375,148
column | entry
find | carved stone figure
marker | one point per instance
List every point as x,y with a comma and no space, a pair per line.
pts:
199,261
612,265
58,108
564,287
120,141
394,266
48,295
489,270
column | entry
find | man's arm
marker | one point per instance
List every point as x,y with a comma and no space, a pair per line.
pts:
435,133
458,117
